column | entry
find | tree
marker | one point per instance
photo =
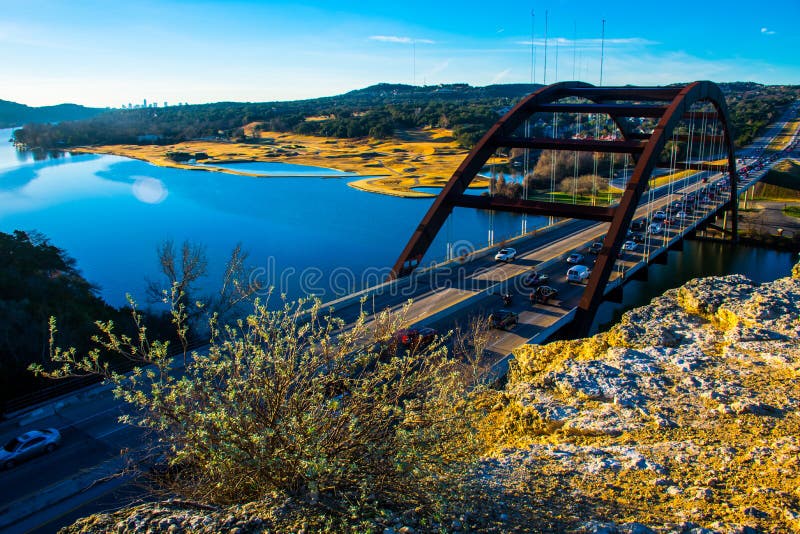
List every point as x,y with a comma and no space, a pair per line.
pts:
37,280
588,184
182,270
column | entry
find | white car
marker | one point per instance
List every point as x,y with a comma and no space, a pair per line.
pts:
630,246
656,228
659,216
578,274
28,445
505,254
575,258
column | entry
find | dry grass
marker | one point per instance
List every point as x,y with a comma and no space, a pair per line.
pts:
414,158
680,175
782,140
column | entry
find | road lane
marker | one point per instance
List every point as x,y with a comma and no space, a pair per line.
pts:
93,436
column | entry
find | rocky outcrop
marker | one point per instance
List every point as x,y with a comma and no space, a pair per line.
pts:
682,418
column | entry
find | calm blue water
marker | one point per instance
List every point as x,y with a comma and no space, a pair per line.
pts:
278,169
303,234
697,259
436,190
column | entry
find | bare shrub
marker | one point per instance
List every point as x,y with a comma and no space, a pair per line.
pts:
291,401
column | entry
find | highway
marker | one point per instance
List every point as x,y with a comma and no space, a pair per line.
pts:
53,488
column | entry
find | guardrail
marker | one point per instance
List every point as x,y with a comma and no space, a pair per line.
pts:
18,405
397,284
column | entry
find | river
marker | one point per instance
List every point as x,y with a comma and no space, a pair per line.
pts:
304,233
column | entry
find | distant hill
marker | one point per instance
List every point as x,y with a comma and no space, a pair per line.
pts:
455,91
13,114
377,111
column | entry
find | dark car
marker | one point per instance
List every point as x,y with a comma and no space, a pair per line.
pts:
503,319
421,336
543,294
595,247
534,279
636,237
639,224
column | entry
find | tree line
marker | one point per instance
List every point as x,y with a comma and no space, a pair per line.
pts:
376,112
39,280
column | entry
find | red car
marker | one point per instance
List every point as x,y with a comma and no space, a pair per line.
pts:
415,337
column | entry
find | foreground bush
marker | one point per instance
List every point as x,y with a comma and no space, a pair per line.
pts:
290,401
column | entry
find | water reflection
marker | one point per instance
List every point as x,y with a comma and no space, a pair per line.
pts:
149,190
697,259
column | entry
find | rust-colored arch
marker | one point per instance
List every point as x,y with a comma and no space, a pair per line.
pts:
644,148
637,185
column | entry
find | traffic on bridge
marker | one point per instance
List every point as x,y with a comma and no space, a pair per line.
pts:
632,173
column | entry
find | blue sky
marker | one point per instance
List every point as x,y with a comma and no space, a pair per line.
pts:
111,53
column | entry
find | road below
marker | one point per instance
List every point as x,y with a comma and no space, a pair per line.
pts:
51,489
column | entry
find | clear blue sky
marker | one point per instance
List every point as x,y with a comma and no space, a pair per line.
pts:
110,53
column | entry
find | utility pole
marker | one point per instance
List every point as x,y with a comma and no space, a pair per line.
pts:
556,60
545,46
574,46
533,49
602,50
414,62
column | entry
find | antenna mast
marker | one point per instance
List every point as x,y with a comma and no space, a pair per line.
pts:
533,49
574,46
602,51
545,46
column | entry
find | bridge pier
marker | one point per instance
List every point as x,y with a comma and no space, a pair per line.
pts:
660,258
641,275
615,295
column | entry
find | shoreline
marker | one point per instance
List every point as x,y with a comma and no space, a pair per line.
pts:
394,167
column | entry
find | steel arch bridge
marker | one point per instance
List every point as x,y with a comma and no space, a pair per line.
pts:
674,113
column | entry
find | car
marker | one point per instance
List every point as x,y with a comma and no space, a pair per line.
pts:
659,216
636,237
595,247
630,246
503,319
416,337
578,273
655,228
534,279
505,254
30,444
575,258
543,294
639,224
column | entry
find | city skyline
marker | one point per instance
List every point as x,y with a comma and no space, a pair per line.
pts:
109,54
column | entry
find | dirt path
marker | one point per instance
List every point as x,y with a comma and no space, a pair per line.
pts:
769,217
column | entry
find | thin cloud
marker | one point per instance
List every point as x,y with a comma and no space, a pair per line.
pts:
399,39
766,31
439,67
591,43
500,76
